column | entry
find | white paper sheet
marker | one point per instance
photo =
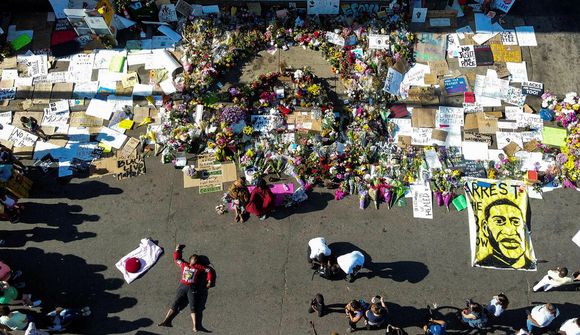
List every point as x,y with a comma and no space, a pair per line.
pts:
474,150
142,90
519,71
100,108
526,36
111,137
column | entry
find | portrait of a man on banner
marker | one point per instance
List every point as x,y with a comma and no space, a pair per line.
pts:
498,225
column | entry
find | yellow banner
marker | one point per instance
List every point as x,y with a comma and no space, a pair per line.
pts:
498,224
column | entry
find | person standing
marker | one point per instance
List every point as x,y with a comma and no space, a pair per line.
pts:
376,315
355,311
189,286
541,316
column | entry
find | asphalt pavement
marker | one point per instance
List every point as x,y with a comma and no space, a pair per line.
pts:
71,236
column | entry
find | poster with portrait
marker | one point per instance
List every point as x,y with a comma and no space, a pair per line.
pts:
498,225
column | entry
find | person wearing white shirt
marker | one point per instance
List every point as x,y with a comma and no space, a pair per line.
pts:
571,327
318,252
541,316
351,263
554,278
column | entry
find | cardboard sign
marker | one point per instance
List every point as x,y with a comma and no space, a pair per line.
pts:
423,118
422,201
439,135
439,68
476,137
422,95
455,86
506,53
129,147
130,168
378,41
467,56
532,88
486,125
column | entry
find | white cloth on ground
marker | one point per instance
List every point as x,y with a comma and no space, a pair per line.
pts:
318,246
147,252
351,260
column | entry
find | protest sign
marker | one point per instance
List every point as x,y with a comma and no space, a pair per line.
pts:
467,56
8,93
449,117
477,137
129,168
21,138
422,201
509,37
421,136
506,53
532,88
483,55
496,208
515,96
470,168
423,117
455,86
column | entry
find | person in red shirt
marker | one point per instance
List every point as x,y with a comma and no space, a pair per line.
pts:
189,285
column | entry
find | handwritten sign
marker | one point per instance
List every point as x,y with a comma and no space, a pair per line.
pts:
506,53
421,136
455,86
532,88
509,37
167,13
129,147
130,168
21,138
210,184
449,117
422,201
467,56
55,118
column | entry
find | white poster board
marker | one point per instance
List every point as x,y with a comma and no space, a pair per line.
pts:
319,7
422,201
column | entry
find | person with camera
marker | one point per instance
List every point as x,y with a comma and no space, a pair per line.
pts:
189,286
355,311
473,315
376,315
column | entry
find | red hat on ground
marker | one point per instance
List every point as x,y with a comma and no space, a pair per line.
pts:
132,265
